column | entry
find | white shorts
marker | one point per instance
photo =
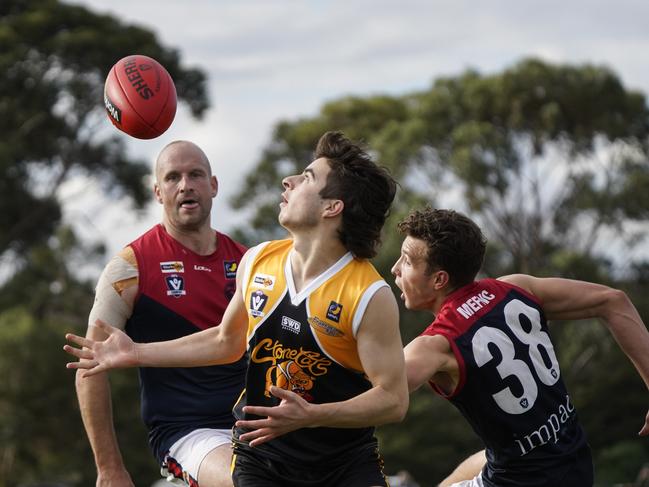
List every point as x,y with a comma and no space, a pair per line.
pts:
185,456
475,482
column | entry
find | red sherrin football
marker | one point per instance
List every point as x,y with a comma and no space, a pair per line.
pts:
140,97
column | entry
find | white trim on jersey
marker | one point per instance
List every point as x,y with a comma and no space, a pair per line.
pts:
252,255
364,301
297,298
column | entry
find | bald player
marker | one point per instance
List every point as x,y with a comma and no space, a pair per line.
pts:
175,280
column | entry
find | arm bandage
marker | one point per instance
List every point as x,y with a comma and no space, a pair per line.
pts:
119,274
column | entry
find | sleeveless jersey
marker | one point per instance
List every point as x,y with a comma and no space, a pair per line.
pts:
306,342
510,387
179,293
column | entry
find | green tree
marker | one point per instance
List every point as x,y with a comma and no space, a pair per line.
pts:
551,160
54,59
40,427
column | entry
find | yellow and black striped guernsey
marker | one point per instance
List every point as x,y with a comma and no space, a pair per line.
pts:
305,342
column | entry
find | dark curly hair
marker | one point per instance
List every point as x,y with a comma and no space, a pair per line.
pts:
455,243
366,189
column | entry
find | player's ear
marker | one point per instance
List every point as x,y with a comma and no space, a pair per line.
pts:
333,207
214,183
156,192
440,279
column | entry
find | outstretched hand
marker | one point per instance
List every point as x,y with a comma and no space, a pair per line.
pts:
116,351
292,413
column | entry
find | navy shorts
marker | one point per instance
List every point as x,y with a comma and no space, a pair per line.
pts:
361,468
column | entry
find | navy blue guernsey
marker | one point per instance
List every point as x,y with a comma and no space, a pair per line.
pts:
510,387
179,293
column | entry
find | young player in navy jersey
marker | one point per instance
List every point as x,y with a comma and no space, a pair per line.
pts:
173,281
321,327
488,351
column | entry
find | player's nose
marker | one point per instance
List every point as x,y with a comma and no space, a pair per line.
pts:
287,182
185,183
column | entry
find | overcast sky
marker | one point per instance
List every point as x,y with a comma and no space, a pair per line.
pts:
270,60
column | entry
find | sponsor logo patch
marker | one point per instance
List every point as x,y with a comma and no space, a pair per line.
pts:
264,281
172,266
324,327
258,302
334,310
291,325
202,268
230,268
175,286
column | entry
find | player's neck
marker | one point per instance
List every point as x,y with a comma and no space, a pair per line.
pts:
202,241
440,298
312,256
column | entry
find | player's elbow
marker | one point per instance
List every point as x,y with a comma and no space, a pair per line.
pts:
234,350
399,408
235,354
614,302
618,297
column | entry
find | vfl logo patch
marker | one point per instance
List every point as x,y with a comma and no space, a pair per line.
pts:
230,268
175,286
291,325
333,312
264,281
172,266
325,328
258,302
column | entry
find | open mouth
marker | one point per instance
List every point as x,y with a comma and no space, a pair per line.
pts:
189,204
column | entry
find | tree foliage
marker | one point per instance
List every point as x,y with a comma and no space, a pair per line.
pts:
551,160
54,58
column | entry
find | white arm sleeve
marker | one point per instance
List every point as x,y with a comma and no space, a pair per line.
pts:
109,306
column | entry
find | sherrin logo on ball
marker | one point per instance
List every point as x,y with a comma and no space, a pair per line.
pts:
140,97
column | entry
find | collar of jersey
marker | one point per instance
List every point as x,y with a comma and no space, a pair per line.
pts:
297,298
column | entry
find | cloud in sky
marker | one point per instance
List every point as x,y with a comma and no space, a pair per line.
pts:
273,60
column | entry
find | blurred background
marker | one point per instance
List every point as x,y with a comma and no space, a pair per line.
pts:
531,118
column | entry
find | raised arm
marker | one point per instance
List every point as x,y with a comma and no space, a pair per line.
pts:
381,354
218,345
565,299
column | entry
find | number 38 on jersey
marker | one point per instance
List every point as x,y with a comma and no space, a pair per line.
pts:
539,364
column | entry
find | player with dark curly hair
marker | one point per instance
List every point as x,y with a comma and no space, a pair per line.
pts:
489,352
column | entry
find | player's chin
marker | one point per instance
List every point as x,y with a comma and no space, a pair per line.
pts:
408,303
190,222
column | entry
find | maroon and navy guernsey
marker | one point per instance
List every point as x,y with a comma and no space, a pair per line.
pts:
179,293
510,387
